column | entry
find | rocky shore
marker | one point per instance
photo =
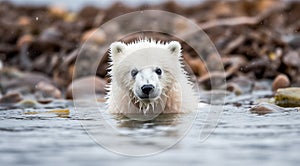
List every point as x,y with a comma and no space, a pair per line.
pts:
259,42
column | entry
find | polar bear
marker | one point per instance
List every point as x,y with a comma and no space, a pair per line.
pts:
148,78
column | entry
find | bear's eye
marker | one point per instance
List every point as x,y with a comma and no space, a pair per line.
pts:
134,72
158,71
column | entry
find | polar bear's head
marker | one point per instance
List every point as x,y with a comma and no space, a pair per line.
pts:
145,69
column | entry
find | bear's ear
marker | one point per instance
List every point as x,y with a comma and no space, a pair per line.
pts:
117,49
175,48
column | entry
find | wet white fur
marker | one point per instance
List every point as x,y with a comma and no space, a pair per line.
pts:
177,95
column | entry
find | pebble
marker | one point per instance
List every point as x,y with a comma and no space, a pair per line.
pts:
281,81
235,88
288,97
11,98
265,108
81,85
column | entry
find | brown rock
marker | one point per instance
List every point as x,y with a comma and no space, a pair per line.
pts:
23,21
281,81
181,25
46,90
235,88
25,40
94,35
24,82
57,11
197,66
265,108
82,85
11,98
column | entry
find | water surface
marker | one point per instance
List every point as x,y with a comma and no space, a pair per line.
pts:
49,136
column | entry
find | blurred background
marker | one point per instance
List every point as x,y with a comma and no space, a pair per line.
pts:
103,4
257,40
259,45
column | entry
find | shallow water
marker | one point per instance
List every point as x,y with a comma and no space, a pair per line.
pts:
52,135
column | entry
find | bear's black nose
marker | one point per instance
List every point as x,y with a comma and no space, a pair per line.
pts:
146,89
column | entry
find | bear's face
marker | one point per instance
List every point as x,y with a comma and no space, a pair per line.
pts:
147,84
145,70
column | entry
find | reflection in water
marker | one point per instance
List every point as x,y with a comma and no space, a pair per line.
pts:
125,136
163,125
161,120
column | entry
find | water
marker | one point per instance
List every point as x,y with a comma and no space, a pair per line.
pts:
49,136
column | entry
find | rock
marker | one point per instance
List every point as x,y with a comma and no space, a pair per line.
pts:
24,40
11,98
97,36
281,81
62,13
52,37
181,26
87,60
265,108
23,82
27,103
44,101
24,21
292,59
45,90
81,85
235,88
288,97
57,11
293,40
196,65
